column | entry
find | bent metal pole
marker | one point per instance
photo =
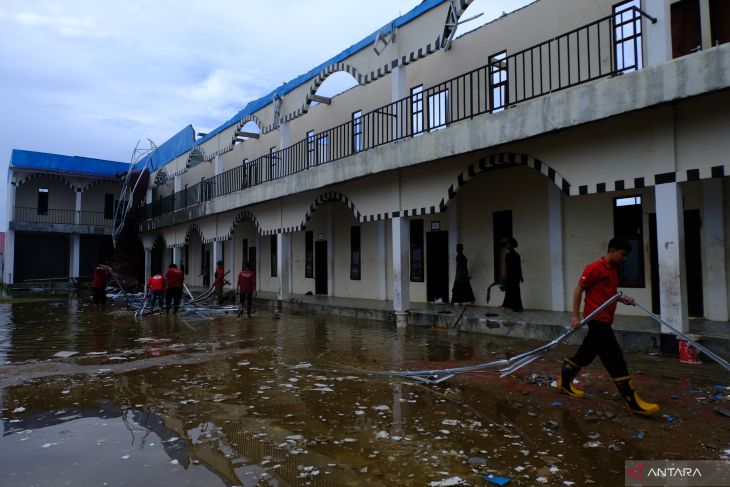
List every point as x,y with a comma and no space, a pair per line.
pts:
683,336
518,360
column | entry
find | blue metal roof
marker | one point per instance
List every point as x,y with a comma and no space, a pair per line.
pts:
175,146
256,105
86,166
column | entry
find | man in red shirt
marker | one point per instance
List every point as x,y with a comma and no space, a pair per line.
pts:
246,288
156,285
174,278
219,280
98,285
599,281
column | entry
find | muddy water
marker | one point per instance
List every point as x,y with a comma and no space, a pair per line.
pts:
289,404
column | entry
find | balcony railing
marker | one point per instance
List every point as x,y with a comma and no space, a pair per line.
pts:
63,217
606,47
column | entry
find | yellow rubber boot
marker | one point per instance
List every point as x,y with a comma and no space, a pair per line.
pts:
636,404
565,381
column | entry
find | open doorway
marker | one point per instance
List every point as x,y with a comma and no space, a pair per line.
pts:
501,229
320,267
437,266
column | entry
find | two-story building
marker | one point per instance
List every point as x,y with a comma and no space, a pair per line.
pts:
60,212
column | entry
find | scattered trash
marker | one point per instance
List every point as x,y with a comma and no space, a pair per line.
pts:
125,457
493,479
723,411
557,403
21,409
592,444
639,435
65,354
449,482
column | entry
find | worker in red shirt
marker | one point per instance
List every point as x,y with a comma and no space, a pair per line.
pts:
219,280
155,286
599,281
98,285
174,278
246,288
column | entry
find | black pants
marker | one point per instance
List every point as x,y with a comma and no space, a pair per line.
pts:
99,295
601,341
247,300
173,296
512,296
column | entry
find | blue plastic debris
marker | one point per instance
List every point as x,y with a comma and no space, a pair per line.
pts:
497,480
720,387
556,403
670,418
717,395
640,435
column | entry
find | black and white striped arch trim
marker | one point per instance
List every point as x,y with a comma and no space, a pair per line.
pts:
648,181
39,175
243,216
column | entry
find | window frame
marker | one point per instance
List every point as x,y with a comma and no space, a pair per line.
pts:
417,110
499,85
637,239
417,250
635,38
357,132
42,201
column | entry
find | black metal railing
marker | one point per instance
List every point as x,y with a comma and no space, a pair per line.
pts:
606,47
63,217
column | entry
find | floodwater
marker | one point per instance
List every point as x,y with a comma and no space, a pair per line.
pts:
287,400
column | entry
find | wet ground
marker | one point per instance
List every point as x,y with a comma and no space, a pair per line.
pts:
286,400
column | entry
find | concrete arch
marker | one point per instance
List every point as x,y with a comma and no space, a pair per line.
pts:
504,159
327,197
250,118
241,217
326,73
30,177
97,182
195,228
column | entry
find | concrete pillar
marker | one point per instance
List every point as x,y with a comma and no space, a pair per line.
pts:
178,183
705,30
218,165
77,215
555,247
74,254
258,261
9,257
231,264
217,251
452,214
401,252
330,249
147,264
658,37
284,138
383,259
177,256
148,197
670,244
283,254
713,239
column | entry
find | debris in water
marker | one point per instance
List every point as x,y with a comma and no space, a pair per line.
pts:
21,409
493,479
448,482
65,354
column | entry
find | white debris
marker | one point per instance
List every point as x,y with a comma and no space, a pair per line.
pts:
359,413
65,354
449,422
244,363
48,445
188,401
93,354
553,469
542,480
323,389
448,482
21,409
175,462
303,365
125,457
349,440
381,407
67,391
382,434
519,468
445,432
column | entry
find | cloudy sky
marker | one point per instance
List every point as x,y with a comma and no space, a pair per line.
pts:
91,78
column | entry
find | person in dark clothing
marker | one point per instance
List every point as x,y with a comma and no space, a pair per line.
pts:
599,281
461,292
512,277
175,279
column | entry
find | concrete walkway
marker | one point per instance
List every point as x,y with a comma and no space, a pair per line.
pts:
635,333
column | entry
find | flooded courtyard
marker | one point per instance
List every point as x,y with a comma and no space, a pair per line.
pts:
299,399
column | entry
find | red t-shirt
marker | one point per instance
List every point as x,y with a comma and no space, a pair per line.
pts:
600,280
174,277
100,275
246,282
156,283
218,277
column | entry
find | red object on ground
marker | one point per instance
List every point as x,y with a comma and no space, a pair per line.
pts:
687,353
175,277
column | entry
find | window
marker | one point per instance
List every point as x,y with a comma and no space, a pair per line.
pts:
322,148
498,81
42,201
272,163
108,206
719,22
355,255
274,266
310,149
416,238
686,27
438,105
357,131
417,110
309,254
627,36
628,223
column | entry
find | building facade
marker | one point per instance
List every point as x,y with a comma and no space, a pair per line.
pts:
60,212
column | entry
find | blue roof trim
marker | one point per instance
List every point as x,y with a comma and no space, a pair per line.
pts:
43,161
175,146
256,105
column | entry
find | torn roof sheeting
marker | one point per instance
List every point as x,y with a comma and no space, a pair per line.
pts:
58,163
171,149
256,105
